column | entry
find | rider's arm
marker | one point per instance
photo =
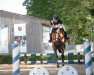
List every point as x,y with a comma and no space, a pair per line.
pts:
63,27
61,24
52,24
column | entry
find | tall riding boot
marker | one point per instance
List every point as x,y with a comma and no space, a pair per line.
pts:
50,38
67,38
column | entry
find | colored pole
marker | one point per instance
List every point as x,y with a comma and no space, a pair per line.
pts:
88,61
15,59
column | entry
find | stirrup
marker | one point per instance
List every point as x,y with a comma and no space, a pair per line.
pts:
49,41
67,39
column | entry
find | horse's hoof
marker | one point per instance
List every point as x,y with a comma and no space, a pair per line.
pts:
62,64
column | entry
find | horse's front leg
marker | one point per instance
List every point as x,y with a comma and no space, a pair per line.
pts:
62,56
55,51
56,58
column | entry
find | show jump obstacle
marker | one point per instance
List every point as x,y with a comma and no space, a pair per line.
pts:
16,56
88,61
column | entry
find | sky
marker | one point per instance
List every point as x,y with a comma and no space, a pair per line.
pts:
14,6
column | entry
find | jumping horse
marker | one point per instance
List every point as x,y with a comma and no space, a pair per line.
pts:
58,43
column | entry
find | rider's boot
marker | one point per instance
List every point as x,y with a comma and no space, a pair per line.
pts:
67,38
50,38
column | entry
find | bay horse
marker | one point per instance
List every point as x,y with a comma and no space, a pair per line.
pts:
58,43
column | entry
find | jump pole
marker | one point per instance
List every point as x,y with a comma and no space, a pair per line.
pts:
15,59
88,61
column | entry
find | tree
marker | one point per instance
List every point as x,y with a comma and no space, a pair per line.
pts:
77,15
43,8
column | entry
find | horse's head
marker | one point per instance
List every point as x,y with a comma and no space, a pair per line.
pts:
58,35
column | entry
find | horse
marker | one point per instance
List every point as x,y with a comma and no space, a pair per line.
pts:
58,43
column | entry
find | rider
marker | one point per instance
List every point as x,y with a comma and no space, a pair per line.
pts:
54,23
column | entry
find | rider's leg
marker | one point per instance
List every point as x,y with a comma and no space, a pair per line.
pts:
67,38
50,36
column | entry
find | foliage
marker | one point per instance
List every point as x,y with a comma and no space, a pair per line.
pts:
77,15
6,59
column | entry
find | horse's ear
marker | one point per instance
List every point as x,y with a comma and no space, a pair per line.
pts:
61,30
